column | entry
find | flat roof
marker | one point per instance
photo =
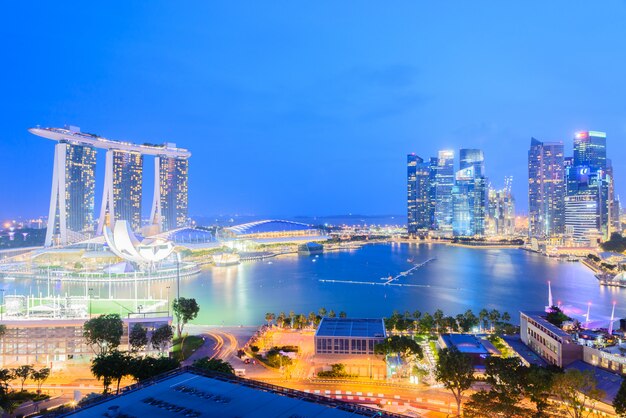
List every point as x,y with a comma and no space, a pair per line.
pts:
606,381
351,327
469,344
539,316
192,394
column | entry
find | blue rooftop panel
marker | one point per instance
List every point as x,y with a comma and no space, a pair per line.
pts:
351,327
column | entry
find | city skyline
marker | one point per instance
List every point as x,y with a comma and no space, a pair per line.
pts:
307,109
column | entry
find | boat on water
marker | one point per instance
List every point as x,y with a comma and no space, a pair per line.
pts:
226,259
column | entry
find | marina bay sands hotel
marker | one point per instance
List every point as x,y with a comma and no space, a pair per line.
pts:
71,214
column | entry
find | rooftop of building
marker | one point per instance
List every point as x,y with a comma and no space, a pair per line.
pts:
469,344
607,382
194,393
351,327
269,226
539,317
528,355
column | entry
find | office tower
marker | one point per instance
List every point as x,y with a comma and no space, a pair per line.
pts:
444,182
171,190
590,182
470,194
70,216
432,194
411,204
590,150
463,203
501,210
546,189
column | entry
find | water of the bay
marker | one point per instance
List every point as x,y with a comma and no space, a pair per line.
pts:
458,279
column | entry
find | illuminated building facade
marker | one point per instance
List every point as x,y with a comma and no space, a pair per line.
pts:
72,196
418,195
173,190
501,210
444,182
546,189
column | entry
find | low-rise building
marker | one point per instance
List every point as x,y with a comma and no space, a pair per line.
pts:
351,342
478,349
550,342
56,342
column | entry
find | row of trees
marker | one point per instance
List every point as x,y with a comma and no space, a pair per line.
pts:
299,321
517,391
10,398
426,323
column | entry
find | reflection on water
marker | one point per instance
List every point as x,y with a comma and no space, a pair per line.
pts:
459,279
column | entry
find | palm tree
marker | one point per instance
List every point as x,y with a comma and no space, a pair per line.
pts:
292,318
494,316
438,316
322,312
482,317
280,320
269,317
332,314
312,317
301,321
506,317
342,314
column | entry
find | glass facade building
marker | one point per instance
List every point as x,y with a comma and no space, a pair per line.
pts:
418,195
546,189
444,182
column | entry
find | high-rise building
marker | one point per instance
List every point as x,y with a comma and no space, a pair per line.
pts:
444,182
546,189
72,198
590,149
501,210
173,191
469,195
589,181
411,198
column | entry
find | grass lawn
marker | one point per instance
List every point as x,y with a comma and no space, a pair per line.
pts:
192,343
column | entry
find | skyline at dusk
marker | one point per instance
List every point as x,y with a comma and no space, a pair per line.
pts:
309,109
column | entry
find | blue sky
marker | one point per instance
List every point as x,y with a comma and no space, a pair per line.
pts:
308,108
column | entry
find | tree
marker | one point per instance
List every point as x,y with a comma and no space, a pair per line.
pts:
619,402
505,377
111,367
342,314
185,310
3,330
215,365
322,311
6,375
437,317
142,368
483,317
577,391
332,314
103,333
556,317
538,387
405,346
312,318
269,317
494,316
455,371
426,323
40,376
22,373
138,338
280,320
161,338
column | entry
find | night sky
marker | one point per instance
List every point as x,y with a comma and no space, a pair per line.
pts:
307,108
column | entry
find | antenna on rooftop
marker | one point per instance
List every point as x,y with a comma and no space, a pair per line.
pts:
612,319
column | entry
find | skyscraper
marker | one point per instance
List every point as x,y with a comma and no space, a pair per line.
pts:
173,190
72,198
411,198
469,195
546,189
590,183
444,182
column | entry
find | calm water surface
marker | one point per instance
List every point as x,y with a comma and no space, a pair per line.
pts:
459,279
